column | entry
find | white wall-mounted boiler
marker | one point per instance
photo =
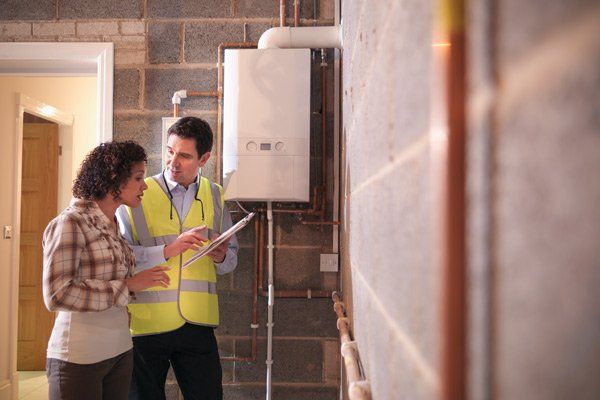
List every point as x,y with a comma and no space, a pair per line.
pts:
266,126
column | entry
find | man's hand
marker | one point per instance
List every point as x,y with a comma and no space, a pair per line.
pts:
219,252
191,239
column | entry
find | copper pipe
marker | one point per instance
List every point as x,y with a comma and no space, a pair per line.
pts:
319,222
450,152
190,93
294,293
252,358
281,12
299,294
202,94
219,139
358,388
324,132
313,210
255,290
296,13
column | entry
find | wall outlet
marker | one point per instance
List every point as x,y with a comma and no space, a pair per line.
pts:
329,262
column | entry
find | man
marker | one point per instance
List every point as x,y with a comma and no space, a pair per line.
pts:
175,325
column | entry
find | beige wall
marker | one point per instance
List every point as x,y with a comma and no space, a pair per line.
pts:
73,95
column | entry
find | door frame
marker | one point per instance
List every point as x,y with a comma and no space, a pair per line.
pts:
64,120
49,59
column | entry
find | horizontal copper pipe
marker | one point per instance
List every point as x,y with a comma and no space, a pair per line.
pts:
213,93
291,293
320,222
298,294
313,210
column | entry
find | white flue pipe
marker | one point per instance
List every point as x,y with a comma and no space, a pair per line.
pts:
269,360
306,37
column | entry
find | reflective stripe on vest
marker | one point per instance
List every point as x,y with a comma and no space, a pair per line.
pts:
191,295
165,296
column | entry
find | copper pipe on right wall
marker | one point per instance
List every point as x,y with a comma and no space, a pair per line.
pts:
448,154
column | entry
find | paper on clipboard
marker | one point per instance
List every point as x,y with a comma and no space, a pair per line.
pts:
216,242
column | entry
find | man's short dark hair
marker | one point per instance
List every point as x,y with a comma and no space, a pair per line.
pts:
106,168
194,128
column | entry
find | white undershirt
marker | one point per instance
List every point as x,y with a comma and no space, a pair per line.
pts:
90,337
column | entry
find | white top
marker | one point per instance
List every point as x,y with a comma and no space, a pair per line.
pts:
90,337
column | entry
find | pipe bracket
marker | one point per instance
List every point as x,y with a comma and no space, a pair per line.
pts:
349,349
341,319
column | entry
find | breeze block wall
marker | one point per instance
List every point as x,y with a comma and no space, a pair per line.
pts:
388,236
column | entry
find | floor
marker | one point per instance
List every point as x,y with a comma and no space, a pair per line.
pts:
33,385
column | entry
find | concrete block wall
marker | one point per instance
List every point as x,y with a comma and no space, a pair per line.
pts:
389,271
533,191
162,46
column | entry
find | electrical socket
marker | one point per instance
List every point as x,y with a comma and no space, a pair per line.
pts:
329,262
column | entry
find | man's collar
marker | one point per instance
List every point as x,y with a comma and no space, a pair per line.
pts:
172,184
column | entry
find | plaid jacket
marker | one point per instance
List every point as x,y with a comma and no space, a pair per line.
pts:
85,261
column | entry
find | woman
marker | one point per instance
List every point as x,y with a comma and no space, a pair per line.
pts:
88,278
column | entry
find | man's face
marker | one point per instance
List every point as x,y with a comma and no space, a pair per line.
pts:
183,160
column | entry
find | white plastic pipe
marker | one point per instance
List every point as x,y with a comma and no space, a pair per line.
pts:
306,37
269,360
178,95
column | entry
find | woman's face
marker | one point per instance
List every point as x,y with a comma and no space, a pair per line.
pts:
133,190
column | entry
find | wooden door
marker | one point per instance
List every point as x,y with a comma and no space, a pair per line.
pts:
39,191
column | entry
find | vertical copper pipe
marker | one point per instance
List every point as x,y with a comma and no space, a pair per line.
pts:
281,12
324,135
451,64
261,245
255,288
290,293
176,110
252,357
296,13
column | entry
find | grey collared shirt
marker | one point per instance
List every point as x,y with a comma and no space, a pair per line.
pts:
148,257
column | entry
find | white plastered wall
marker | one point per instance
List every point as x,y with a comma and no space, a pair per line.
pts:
74,95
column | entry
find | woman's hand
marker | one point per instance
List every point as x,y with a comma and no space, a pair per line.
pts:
192,239
149,278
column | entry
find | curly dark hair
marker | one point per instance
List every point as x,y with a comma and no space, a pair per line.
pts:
106,168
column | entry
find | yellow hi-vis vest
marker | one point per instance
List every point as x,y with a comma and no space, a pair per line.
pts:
191,295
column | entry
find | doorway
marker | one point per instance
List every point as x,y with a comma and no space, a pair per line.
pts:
39,202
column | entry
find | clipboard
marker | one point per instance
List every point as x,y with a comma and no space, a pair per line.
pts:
217,241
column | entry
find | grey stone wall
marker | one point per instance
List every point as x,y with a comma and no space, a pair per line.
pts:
162,46
388,235
533,189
